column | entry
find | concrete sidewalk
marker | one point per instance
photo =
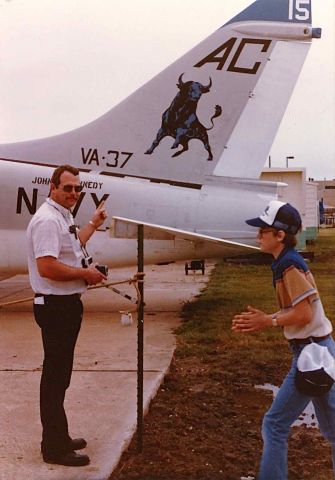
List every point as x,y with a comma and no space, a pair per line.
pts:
101,402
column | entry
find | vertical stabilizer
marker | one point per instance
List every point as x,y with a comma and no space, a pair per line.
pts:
216,110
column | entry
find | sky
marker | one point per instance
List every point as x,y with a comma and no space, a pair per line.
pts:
63,63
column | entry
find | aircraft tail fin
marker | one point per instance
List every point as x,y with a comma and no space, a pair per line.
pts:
216,110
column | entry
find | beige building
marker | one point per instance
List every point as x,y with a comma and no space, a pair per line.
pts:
326,191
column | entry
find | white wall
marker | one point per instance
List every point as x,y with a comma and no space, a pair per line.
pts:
295,192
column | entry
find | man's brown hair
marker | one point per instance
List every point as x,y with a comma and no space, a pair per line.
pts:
55,179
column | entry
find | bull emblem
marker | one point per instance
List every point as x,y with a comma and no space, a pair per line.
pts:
180,120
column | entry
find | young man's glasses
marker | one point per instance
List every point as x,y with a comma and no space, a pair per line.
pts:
69,188
262,231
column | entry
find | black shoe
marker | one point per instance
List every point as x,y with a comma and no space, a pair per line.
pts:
77,444
70,459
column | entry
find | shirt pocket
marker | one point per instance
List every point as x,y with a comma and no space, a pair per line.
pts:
66,245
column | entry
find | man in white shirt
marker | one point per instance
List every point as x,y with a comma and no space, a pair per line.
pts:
56,257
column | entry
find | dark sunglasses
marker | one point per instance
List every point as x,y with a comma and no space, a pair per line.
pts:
69,188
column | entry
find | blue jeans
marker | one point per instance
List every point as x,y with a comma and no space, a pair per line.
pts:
285,409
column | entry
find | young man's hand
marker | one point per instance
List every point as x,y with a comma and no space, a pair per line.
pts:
253,320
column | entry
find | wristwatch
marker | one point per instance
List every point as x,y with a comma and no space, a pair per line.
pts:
274,320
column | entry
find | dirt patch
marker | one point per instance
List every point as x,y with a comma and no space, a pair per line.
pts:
205,423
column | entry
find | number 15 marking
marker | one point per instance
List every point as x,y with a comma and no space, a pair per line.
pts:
298,11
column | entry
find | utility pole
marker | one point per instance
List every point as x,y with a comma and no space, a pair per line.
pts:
140,329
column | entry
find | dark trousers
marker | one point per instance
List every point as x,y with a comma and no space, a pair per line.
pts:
59,319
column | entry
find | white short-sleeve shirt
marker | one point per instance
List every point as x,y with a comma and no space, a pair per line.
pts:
48,235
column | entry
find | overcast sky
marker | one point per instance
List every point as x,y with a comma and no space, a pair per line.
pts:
66,62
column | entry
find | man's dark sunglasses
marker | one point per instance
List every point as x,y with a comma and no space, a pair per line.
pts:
69,188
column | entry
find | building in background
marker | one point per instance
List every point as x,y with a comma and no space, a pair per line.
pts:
326,191
326,195
301,194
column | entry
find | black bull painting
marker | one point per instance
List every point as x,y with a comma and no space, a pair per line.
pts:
180,120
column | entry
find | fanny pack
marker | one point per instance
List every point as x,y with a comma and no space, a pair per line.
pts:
315,373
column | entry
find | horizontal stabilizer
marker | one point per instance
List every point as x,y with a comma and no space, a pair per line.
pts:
126,228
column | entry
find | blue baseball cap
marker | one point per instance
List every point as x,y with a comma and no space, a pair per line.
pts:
278,215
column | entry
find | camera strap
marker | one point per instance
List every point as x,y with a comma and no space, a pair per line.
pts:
73,229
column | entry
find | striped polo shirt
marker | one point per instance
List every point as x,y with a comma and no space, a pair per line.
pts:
294,282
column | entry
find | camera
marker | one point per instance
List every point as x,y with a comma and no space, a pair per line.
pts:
86,262
102,269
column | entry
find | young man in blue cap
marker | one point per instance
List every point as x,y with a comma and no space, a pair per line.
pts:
303,320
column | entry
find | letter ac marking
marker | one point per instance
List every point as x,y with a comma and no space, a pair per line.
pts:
227,47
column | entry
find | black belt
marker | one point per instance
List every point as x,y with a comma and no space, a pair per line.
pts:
73,296
305,341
